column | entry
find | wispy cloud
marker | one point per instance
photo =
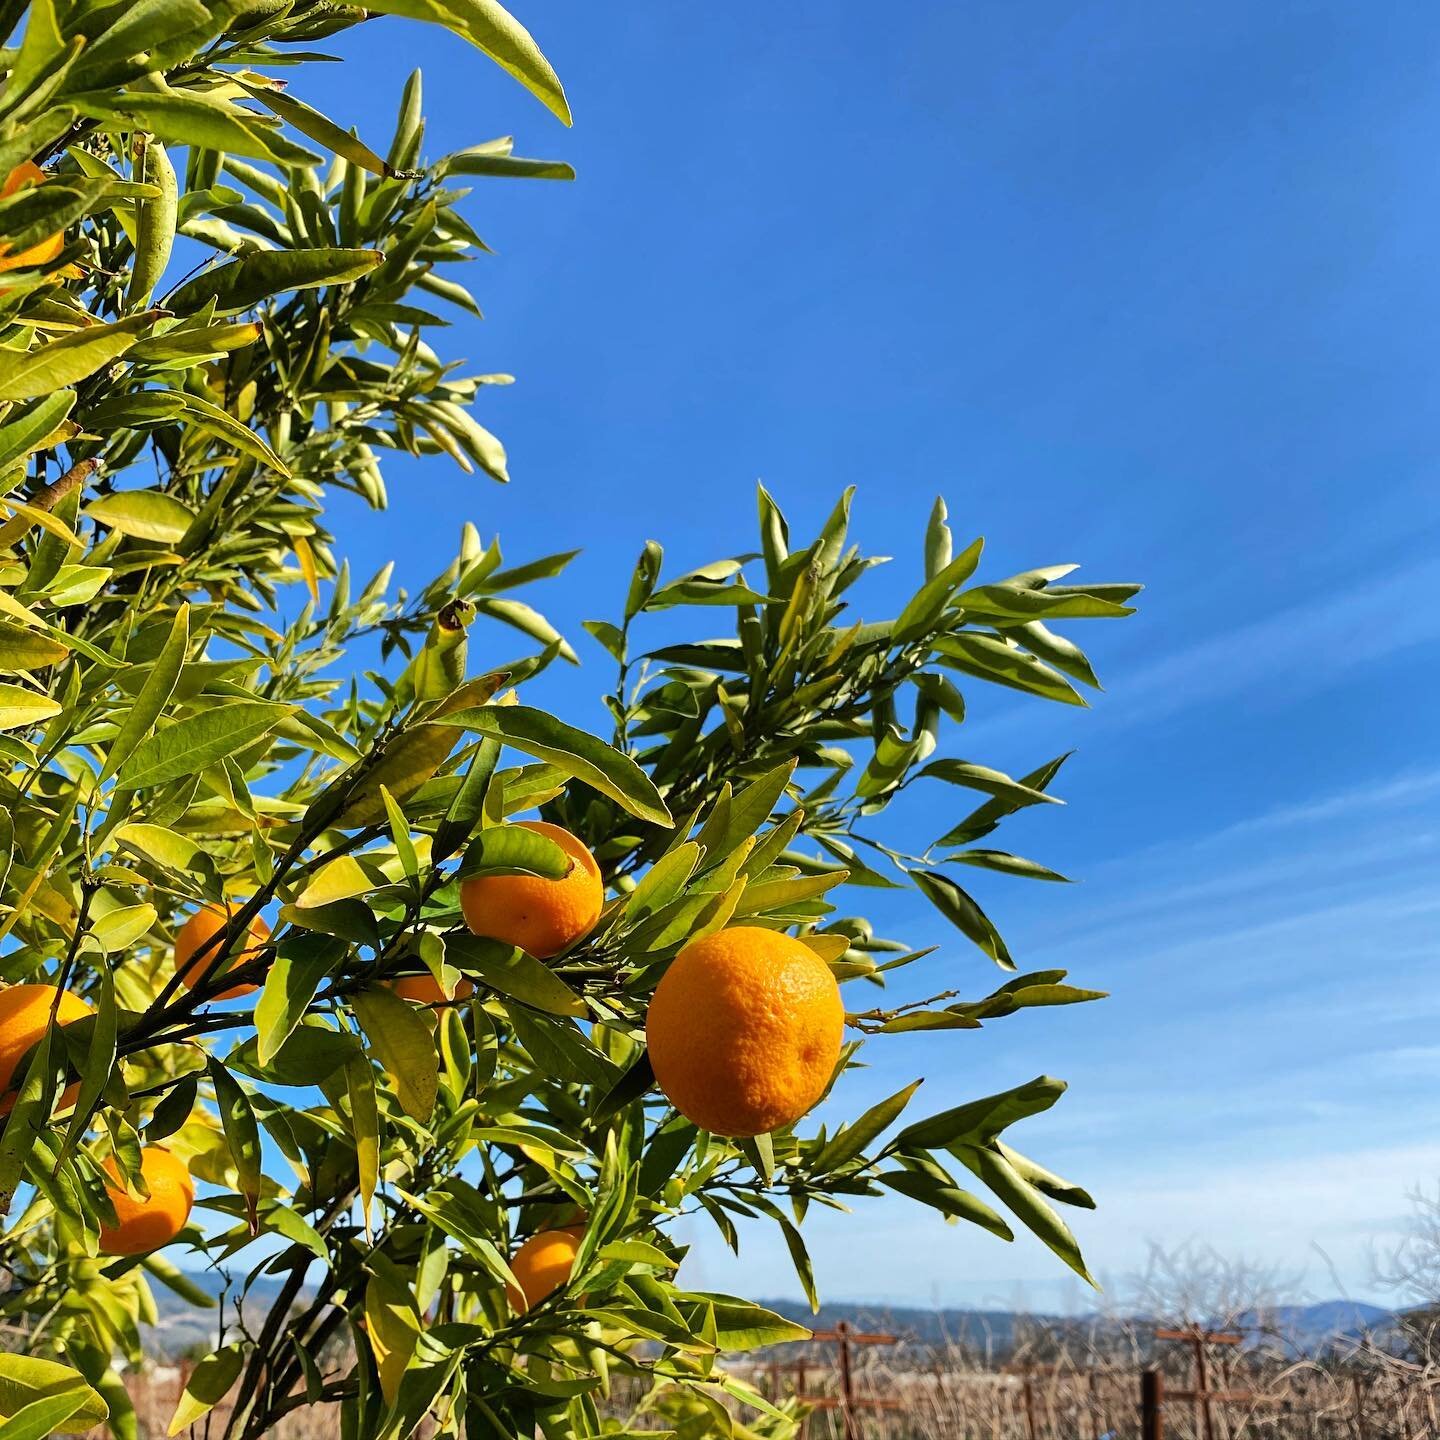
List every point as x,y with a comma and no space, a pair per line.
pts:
1352,1202
1305,647
1413,787
1301,649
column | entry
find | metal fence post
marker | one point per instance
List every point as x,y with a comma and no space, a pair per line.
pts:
1152,1405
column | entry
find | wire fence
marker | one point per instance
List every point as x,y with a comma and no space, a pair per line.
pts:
860,1385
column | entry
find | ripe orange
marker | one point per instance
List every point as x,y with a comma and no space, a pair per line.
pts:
210,920
541,916
24,1016
146,1225
744,1031
425,989
542,1264
24,174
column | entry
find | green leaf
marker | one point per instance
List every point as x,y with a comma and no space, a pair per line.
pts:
410,759
155,222
980,1121
928,604
1041,988
741,1325
491,28
312,1055
244,283
642,582
1006,864
282,1220
33,214
75,585
194,344
599,765
301,963
198,741
365,1123
144,514
612,637
164,847
512,972
779,896
468,805
939,546
404,1045
514,850
1042,1179
948,1199
25,1379
39,50
800,1258
989,658
494,158
154,696
21,707
636,1252
700,590
634,1083
340,879
99,1058
27,433
318,127
44,1417
173,1110
120,929
24,649
1024,1202
962,912
663,882
846,1144
28,1115
242,1133
983,778
173,1278
185,117
1056,650
1019,602
224,425
942,693
927,1020
210,1382
983,820
58,363
351,920
750,808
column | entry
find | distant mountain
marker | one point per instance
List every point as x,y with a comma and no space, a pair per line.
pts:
1308,1328
183,1326
974,1328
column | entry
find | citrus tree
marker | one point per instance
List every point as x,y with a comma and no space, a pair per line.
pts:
298,986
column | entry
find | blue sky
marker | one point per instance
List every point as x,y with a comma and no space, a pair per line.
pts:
1147,287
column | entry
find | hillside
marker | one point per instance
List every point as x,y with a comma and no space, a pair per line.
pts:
1306,1327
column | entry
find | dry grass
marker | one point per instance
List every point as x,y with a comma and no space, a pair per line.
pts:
948,1394
1055,1385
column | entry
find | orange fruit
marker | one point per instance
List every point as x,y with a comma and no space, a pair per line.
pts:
24,1017
425,989
744,1030
206,922
541,916
27,173
145,1225
543,1264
